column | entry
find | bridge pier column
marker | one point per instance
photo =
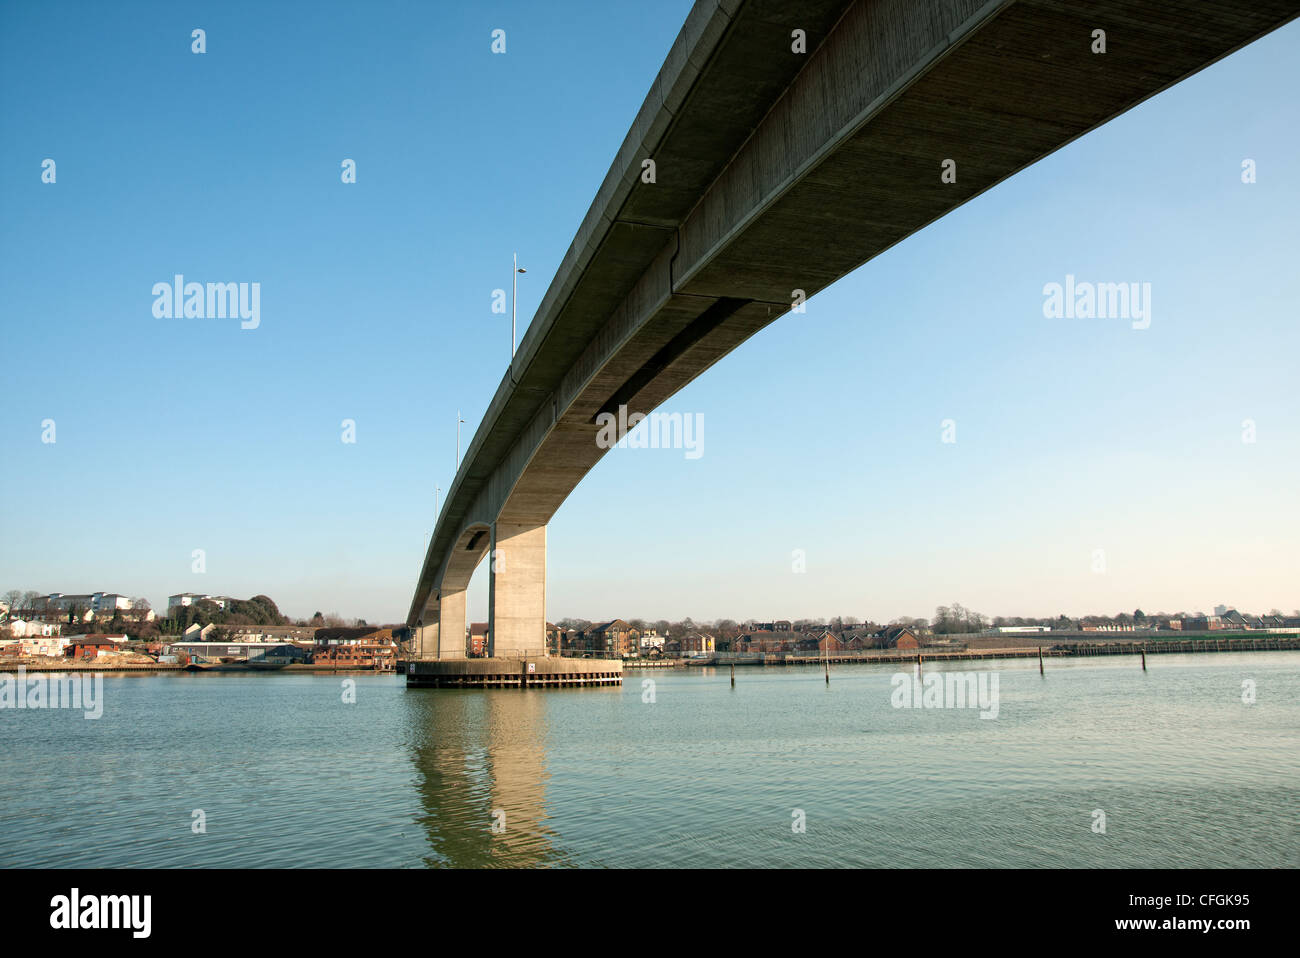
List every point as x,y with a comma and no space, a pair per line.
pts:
451,625
517,590
426,645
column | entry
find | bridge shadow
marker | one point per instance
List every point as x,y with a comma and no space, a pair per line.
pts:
481,763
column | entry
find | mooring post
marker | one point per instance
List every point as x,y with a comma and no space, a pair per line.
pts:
1144,658
1040,660
828,673
733,675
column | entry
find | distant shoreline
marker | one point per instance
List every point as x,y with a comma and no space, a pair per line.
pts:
1075,650
1263,642
13,665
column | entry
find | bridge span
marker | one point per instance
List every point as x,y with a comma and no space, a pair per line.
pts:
783,144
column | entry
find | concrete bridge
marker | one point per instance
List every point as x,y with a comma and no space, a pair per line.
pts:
783,144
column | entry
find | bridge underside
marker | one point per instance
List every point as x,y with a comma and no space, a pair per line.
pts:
776,172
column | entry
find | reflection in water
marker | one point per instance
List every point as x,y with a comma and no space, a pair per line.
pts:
481,757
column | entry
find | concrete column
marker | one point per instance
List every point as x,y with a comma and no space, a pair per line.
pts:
427,639
517,590
451,625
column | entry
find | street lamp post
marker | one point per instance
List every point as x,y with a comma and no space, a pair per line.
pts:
514,291
458,423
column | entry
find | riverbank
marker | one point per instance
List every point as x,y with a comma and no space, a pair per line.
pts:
1045,649
32,665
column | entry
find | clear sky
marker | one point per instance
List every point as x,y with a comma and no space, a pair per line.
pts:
823,433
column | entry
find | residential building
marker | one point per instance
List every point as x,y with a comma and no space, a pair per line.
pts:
357,635
381,656
615,638
825,642
897,637
359,647
478,639
51,646
100,602
183,599
570,641
27,629
198,633
768,641
856,640
693,643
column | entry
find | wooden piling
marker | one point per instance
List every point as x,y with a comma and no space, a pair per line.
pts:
1144,658
733,675
1040,660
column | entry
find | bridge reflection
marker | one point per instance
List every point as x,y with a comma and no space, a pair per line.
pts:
481,761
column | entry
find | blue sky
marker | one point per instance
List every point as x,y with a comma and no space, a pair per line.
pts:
822,433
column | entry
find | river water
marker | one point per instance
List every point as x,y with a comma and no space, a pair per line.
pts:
249,770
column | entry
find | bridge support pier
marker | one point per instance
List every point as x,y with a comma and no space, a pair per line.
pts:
451,625
427,640
517,591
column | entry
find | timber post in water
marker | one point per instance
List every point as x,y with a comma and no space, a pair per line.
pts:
1040,660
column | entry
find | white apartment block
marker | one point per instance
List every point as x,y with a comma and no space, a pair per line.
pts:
189,598
21,629
52,646
92,602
